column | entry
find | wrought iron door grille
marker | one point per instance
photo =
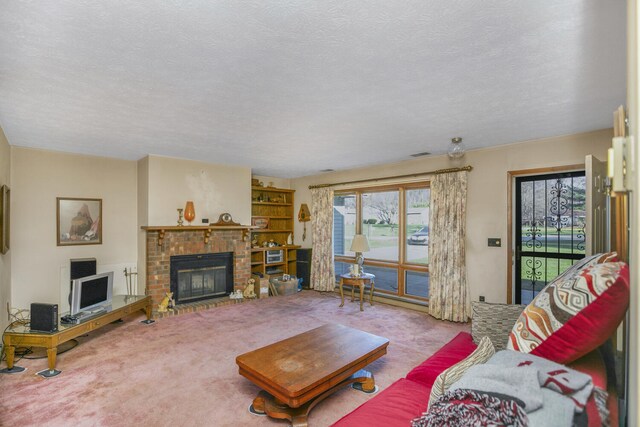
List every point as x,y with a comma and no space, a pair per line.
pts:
550,229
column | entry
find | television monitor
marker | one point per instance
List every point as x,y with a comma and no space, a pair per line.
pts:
92,293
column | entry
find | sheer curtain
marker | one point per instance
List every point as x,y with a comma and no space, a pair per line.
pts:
322,270
448,293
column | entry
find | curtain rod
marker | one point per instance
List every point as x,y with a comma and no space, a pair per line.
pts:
411,175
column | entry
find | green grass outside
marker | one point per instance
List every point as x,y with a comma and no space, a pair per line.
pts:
554,268
385,235
563,247
555,246
379,235
380,230
554,231
551,268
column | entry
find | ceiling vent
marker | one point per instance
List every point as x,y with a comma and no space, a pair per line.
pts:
424,153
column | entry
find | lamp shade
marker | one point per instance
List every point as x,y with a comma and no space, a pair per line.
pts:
360,243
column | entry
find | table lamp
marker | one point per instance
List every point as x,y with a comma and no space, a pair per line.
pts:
359,245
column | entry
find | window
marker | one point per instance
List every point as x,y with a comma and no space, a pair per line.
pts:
380,224
417,284
395,220
344,223
417,228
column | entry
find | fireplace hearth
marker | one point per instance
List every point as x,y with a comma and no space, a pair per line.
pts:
201,276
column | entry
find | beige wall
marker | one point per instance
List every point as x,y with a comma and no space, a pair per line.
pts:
143,219
165,184
146,192
214,189
487,195
5,260
38,177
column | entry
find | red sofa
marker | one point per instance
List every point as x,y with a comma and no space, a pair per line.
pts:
407,398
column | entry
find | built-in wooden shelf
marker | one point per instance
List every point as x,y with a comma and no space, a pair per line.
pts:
206,229
275,248
273,189
271,204
277,205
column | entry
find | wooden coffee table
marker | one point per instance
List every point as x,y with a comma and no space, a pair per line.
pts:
299,372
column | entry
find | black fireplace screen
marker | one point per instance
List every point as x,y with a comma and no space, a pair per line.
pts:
202,276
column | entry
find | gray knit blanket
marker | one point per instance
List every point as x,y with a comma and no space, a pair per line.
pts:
551,394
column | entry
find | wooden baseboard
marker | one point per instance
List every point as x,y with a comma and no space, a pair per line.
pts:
422,307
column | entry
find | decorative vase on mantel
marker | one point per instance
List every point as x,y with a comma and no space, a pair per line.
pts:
189,212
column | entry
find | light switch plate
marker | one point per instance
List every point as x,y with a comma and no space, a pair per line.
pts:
494,242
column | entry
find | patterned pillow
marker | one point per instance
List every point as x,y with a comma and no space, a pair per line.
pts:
576,312
449,376
495,321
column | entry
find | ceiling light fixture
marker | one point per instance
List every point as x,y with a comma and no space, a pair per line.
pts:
457,148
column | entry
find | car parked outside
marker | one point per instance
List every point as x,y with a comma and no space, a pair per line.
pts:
420,237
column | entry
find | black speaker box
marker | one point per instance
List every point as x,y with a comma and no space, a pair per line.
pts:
303,255
303,266
44,317
81,267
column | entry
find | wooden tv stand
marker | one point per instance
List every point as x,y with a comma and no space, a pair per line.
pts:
121,306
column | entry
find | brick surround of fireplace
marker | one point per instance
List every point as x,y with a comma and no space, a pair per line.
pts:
164,243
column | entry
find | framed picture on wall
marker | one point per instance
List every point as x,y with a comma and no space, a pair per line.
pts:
5,209
79,221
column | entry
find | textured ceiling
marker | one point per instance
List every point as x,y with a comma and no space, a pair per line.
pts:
290,88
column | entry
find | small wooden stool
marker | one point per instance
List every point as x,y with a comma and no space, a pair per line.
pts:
361,282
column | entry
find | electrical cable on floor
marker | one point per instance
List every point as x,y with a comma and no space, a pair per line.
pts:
2,353
30,351
18,318
22,352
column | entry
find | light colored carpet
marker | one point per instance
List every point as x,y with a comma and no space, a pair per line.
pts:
181,370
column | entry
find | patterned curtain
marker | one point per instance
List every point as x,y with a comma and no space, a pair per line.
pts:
448,291
322,270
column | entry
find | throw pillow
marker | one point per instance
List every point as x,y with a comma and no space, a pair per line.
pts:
494,321
575,313
449,376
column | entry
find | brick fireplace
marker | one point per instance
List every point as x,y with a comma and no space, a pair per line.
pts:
165,242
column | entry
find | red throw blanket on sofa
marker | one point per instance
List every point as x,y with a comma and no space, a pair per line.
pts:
470,408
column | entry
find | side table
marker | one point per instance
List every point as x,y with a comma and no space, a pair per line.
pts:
361,282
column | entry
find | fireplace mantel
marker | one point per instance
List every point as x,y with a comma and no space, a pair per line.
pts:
207,229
